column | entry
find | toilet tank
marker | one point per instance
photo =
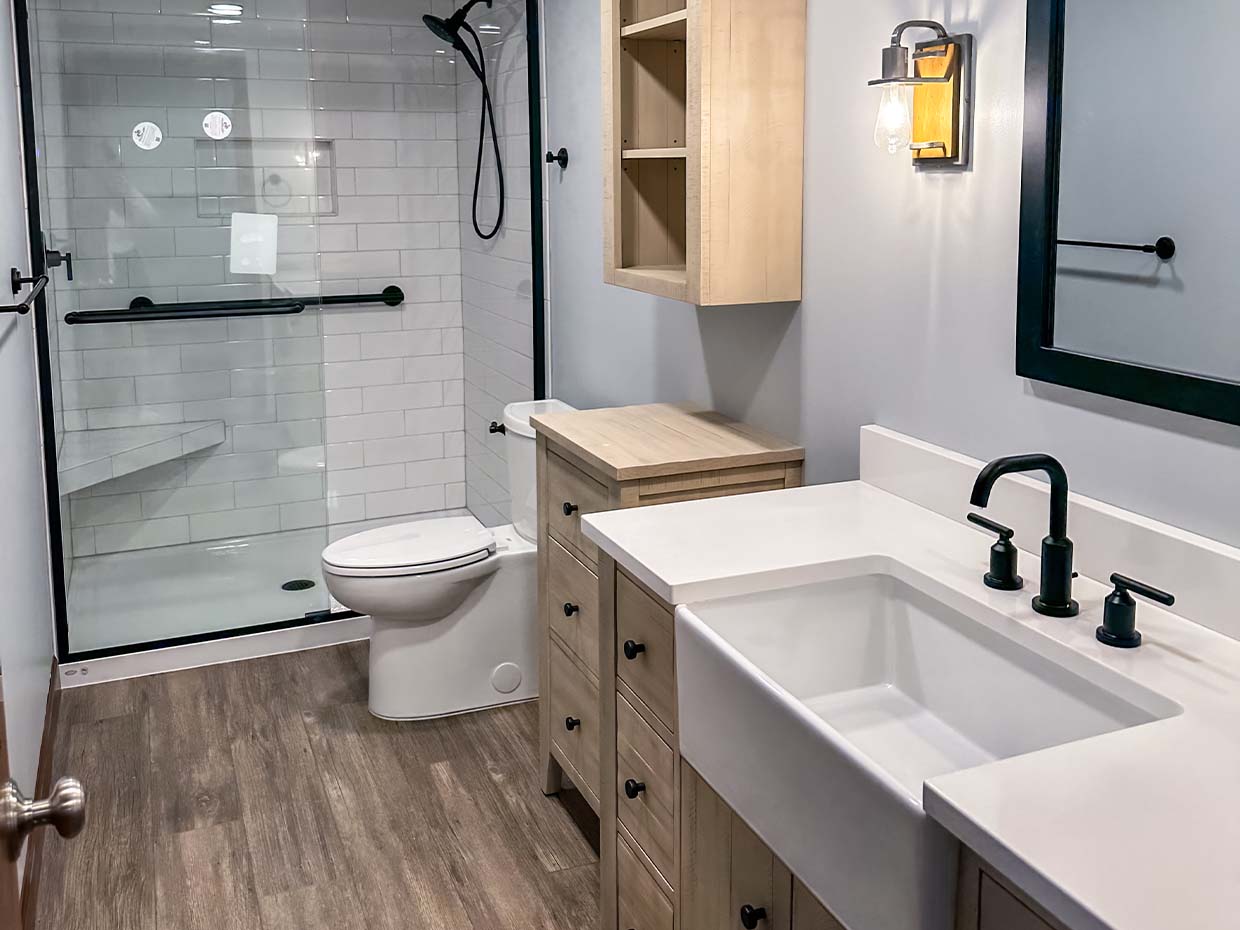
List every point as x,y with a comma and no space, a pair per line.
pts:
520,446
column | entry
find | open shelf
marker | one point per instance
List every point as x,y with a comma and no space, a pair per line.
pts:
688,213
672,26
681,152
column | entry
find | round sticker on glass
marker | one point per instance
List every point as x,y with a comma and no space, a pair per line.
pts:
217,125
147,136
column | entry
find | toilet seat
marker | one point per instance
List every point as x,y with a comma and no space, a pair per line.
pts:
419,548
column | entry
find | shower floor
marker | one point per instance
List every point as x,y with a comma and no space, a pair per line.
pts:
156,594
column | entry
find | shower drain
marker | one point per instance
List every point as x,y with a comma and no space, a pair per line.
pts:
297,584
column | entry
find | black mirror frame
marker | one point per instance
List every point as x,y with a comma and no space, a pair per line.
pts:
1036,355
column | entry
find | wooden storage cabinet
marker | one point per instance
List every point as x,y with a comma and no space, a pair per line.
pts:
595,460
703,135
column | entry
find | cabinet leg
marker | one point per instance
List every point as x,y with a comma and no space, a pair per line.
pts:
553,775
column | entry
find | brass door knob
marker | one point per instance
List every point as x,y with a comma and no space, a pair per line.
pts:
64,809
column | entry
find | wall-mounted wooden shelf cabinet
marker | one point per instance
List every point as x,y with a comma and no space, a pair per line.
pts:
703,138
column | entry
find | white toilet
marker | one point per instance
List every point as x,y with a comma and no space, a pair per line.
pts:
453,604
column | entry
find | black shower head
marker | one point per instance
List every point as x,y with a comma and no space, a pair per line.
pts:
441,27
450,29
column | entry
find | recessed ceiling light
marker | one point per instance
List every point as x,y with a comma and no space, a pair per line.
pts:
225,9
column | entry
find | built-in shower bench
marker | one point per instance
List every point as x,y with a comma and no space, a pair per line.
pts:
91,456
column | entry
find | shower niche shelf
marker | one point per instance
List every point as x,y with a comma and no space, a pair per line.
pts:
703,135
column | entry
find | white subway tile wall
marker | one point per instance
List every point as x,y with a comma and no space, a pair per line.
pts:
497,337
349,415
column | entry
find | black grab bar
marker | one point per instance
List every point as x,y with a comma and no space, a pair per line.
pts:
143,309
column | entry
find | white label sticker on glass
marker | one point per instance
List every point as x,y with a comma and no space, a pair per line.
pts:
217,125
147,136
253,243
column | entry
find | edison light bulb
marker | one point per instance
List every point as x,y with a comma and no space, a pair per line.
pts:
894,129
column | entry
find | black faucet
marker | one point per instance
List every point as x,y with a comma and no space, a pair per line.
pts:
1055,598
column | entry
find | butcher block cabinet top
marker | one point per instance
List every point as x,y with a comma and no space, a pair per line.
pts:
660,440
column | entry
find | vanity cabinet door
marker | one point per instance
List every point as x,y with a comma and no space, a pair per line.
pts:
761,885
726,869
1000,910
808,912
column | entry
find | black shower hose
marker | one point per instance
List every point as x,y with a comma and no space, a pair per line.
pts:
488,113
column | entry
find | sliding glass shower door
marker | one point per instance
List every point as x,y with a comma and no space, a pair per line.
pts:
185,195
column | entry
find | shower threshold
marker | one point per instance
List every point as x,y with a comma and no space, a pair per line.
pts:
155,595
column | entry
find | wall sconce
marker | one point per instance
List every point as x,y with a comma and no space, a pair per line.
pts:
938,125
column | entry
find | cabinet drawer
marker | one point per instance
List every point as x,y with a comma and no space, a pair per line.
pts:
646,768
571,489
641,903
574,718
644,626
998,909
572,604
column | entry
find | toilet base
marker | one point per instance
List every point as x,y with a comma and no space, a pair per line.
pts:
482,655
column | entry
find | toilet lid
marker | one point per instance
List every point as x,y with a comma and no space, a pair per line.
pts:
412,548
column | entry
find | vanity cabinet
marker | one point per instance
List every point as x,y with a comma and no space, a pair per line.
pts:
703,139
595,702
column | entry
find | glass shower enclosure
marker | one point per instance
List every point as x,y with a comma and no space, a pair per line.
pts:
271,320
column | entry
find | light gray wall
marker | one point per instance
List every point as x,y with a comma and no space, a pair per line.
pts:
910,289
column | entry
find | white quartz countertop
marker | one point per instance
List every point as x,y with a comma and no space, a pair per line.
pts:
1137,829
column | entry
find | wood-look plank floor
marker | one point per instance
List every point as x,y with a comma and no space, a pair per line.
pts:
262,795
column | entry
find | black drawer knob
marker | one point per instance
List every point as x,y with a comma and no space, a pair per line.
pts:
572,723
570,509
633,788
632,650
750,916
570,609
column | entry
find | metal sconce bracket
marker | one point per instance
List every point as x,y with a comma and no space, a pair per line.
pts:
942,82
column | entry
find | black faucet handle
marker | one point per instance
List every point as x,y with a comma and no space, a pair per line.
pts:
1004,532
1003,556
1119,615
1124,583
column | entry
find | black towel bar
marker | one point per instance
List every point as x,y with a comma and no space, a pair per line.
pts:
1164,248
39,283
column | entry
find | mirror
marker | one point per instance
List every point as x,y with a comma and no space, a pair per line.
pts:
1129,203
